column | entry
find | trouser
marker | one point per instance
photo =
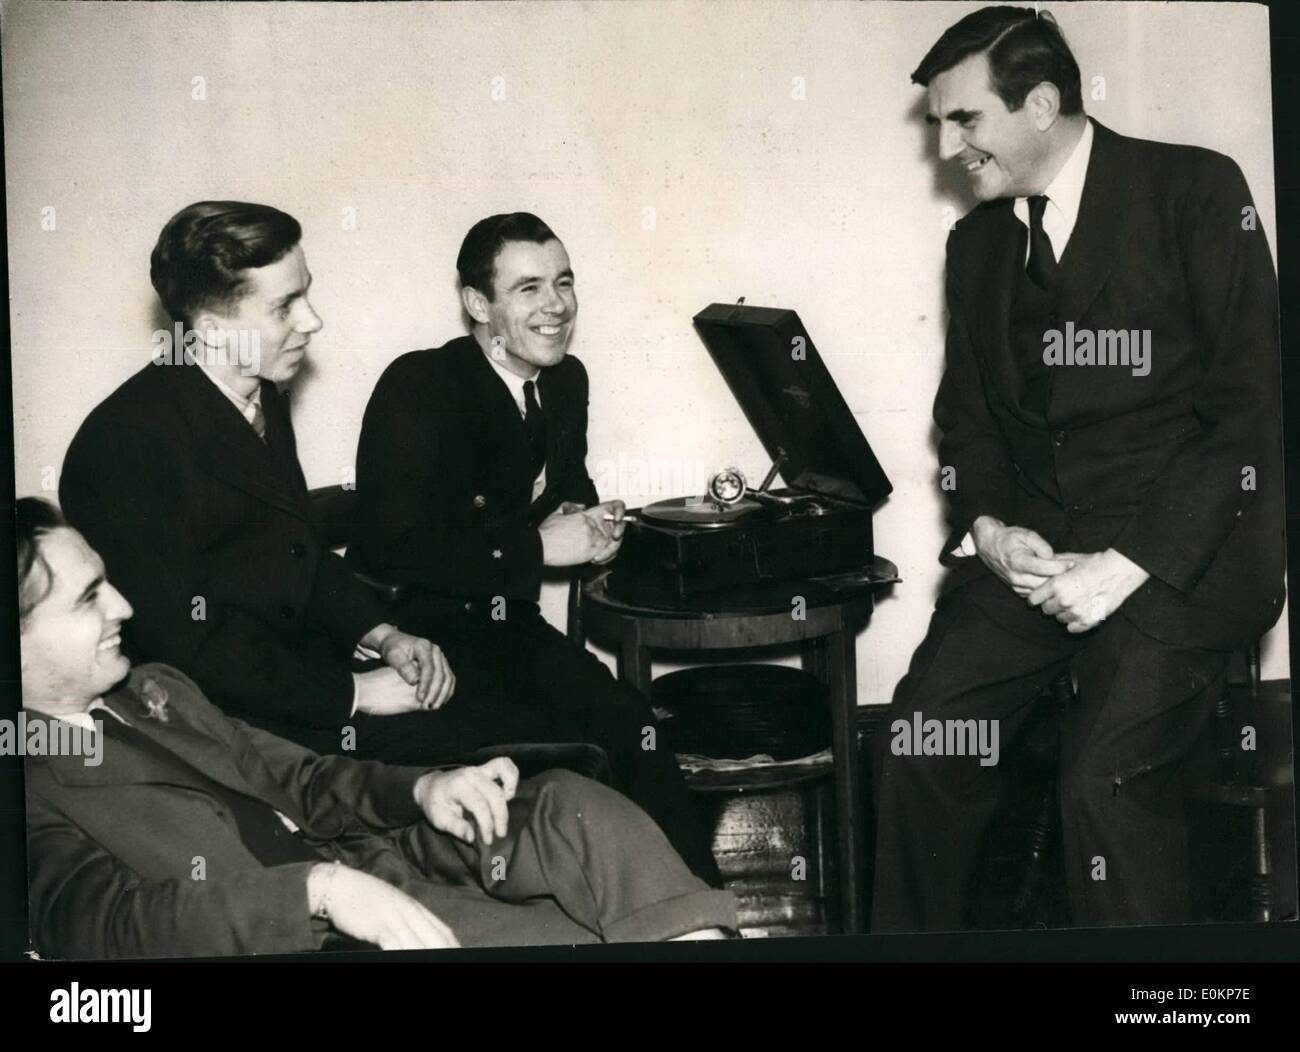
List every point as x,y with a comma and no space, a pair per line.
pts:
1139,707
579,864
519,680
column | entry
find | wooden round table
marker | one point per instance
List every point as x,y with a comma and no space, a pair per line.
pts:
821,614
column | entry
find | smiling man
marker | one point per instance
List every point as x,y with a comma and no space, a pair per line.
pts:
1126,525
199,835
187,480
471,479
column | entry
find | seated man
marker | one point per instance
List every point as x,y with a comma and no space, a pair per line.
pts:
471,480
1119,519
196,834
186,480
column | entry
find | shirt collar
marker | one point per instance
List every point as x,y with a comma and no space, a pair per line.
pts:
515,383
1066,190
83,719
240,402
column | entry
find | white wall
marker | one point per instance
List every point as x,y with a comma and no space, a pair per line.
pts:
830,204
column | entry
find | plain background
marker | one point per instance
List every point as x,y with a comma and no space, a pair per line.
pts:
686,153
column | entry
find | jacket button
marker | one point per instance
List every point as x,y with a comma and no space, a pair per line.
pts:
496,553
480,501
286,612
299,550
1059,438
469,607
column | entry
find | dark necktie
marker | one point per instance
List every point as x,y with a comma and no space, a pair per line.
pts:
1042,260
535,427
259,420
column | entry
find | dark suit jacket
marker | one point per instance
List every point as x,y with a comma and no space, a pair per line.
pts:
1150,465
112,849
173,488
444,491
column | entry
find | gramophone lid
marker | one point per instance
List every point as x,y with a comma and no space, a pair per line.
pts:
793,405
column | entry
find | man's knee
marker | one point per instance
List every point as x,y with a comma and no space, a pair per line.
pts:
564,797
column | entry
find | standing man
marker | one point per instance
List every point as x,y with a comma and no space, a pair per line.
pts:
186,480
1110,407
471,479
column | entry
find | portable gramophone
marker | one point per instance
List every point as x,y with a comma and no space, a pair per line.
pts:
734,536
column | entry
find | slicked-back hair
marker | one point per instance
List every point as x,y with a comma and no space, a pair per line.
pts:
1024,48
197,261
476,261
34,518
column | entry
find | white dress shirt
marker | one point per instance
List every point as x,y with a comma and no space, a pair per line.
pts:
1063,195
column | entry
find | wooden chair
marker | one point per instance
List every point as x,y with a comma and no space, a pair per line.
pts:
1219,771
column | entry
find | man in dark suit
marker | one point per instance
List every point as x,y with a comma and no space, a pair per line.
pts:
187,480
471,479
1109,416
190,833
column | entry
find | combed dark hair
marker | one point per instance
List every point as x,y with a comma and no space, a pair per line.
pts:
1024,48
196,263
476,262
33,519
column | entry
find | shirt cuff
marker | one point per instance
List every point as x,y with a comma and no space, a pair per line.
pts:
966,548
361,653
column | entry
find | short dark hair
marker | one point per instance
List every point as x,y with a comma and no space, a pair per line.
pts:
476,261
33,519
1025,47
197,261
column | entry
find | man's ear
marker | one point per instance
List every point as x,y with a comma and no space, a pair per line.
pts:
210,329
476,304
1044,104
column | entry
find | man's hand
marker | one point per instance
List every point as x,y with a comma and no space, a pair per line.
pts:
382,692
571,538
1083,597
482,792
374,911
421,664
615,509
1020,557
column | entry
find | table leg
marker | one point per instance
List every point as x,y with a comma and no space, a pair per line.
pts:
842,667
634,660
812,657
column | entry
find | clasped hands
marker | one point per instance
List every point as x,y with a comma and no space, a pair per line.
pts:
1079,589
468,803
416,674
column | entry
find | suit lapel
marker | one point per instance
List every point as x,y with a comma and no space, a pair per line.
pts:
231,447
124,764
1098,239
1100,233
503,419
1002,254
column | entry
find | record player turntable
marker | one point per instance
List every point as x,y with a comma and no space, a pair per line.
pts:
687,550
